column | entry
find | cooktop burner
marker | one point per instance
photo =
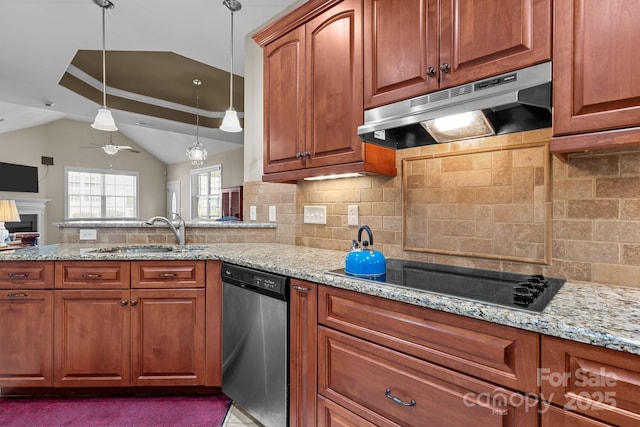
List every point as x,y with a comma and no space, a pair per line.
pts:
512,290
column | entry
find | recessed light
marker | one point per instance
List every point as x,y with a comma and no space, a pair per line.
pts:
145,124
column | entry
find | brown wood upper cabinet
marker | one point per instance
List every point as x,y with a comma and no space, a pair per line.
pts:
596,85
313,101
408,51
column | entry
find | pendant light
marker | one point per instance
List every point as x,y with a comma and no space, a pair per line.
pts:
197,153
230,123
104,120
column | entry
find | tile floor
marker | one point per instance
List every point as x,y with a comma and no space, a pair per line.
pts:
237,418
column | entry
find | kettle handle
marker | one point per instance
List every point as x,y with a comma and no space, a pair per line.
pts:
368,230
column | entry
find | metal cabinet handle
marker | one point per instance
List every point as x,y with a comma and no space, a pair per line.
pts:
300,288
388,395
165,275
91,276
431,72
445,68
299,155
307,154
22,295
124,302
17,275
134,302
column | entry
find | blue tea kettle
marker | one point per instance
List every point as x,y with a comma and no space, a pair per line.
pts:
363,262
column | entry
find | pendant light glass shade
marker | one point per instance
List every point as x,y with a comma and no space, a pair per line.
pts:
104,119
197,153
231,123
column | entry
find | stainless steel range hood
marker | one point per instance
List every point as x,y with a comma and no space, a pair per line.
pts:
510,102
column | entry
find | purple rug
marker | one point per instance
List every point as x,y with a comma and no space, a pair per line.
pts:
114,411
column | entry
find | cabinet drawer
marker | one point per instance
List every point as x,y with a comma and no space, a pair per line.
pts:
595,381
333,415
554,417
167,274
26,275
391,388
92,275
496,353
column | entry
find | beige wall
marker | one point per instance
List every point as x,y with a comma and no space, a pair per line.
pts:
63,140
232,174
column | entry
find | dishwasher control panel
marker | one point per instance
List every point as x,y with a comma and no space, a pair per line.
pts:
263,282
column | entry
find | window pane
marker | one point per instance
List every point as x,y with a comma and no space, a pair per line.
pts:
101,194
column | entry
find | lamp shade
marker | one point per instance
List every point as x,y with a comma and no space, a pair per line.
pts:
104,121
231,123
9,211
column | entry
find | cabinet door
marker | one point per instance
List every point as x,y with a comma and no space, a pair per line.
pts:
596,85
167,337
333,415
26,337
284,130
92,338
303,323
481,38
595,381
400,44
334,86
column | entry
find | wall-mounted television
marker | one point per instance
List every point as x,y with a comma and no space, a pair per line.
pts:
18,178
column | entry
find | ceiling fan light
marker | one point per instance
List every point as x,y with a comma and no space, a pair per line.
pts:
197,154
111,149
104,121
230,122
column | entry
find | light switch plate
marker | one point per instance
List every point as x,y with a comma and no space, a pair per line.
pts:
88,234
315,214
252,213
352,215
272,214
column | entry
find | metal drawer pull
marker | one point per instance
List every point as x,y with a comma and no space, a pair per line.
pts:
17,275
300,288
124,302
387,394
134,302
91,276
26,294
167,275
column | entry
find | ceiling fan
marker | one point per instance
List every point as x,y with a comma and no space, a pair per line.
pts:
113,149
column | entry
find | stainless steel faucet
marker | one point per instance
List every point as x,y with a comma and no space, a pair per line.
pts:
178,232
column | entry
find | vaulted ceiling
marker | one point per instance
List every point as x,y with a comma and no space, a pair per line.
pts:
51,67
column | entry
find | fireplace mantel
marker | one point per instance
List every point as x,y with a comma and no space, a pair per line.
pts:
34,207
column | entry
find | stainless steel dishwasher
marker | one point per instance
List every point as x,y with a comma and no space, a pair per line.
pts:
255,342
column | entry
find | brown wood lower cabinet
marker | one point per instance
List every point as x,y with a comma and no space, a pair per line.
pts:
389,388
131,336
597,382
26,338
331,414
167,337
303,321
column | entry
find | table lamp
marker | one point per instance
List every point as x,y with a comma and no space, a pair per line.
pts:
8,212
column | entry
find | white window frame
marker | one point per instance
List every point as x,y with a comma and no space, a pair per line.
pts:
193,197
68,169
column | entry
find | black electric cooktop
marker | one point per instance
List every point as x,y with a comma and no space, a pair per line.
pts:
512,290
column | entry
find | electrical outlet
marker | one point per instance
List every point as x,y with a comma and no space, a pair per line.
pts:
272,214
315,214
252,213
88,234
352,215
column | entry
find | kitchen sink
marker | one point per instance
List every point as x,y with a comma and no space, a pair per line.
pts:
147,249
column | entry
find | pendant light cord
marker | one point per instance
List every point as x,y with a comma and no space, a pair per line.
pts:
104,67
231,73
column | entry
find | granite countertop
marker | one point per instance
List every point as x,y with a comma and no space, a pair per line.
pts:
605,316
138,223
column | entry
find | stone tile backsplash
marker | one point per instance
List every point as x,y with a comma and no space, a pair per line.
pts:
595,206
